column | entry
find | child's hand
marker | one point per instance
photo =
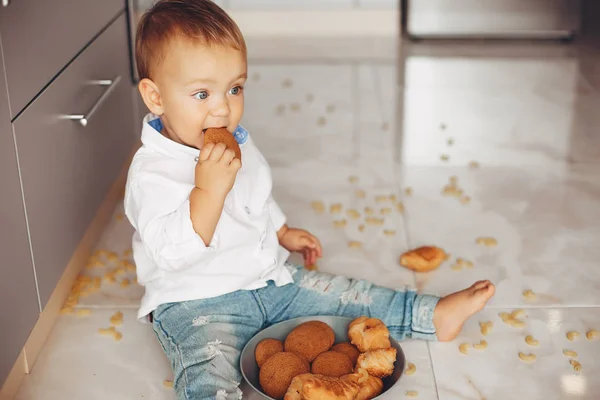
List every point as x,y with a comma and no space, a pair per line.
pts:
216,169
301,241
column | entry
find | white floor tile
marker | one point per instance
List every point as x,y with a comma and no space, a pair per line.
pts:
497,372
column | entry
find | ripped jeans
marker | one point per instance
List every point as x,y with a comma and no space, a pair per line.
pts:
203,339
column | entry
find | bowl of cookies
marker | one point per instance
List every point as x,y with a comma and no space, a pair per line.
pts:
324,358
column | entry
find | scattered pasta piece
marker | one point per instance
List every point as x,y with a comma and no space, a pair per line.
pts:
527,357
318,206
353,214
487,241
592,334
529,294
117,318
531,341
570,353
400,207
340,223
374,221
481,345
83,312
576,365
335,208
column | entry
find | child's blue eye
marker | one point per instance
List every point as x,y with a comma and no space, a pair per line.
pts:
203,95
235,90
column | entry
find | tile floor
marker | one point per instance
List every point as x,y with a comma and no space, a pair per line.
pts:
514,126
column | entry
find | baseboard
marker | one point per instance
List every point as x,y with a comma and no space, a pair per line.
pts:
43,326
318,23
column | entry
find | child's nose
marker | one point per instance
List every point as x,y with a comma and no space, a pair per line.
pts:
220,109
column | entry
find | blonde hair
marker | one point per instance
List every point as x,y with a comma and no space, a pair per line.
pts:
196,20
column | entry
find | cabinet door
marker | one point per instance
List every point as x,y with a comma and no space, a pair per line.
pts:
67,168
39,37
19,308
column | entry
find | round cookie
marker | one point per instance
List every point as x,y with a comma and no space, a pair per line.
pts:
265,349
308,340
278,371
222,135
332,363
325,327
347,349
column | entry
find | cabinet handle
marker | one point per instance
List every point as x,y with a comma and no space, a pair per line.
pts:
5,3
83,119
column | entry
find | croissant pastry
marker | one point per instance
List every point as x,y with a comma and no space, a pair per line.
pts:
423,259
369,334
357,386
379,363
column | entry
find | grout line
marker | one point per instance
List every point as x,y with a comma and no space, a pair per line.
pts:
435,385
354,95
396,179
378,91
540,307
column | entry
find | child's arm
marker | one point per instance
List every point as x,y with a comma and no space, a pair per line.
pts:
205,211
215,174
177,227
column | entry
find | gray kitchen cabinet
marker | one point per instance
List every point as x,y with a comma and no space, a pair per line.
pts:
67,167
19,308
40,37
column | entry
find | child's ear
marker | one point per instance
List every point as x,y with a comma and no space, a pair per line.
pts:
151,96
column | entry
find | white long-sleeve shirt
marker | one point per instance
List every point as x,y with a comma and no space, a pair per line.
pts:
172,261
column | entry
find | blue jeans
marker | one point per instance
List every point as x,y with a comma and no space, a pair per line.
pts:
203,339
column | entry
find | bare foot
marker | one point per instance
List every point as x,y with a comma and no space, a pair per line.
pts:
453,310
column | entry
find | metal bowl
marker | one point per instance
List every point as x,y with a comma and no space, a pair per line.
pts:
280,331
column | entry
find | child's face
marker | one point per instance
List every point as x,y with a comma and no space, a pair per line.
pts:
197,87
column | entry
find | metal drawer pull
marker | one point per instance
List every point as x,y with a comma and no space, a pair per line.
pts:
84,119
5,3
